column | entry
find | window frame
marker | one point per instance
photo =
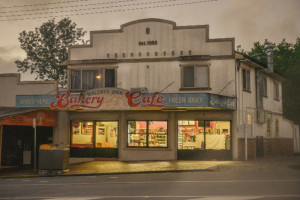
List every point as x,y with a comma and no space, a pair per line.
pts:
205,133
276,90
265,86
182,88
92,135
90,69
246,83
147,135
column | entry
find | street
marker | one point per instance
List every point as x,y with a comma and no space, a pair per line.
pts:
229,184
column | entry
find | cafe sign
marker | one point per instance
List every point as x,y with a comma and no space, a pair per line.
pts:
120,99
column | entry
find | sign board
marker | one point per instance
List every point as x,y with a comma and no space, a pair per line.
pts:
43,118
120,99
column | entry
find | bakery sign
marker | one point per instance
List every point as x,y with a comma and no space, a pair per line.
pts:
120,99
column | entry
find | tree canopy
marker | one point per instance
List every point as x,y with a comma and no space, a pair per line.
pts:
46,47
286,63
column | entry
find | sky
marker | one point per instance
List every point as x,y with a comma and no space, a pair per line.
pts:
245,20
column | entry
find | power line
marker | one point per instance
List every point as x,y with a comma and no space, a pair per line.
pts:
76,6
113,11
43,4
94,8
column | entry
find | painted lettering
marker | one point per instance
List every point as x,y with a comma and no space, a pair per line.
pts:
136,99
65,101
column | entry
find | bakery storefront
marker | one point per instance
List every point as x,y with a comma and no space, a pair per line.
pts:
130,125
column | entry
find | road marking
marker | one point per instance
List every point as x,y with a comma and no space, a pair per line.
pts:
238,197
113,177
149,182
25,180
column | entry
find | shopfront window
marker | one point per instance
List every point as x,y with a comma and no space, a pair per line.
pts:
82,134
217,135
201,135
106,134
147,133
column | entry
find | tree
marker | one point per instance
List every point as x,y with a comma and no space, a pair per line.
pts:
286,63
46,47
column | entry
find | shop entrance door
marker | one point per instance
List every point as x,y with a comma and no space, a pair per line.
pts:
106,139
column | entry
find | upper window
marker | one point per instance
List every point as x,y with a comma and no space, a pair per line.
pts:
147,133
90,79
276,91
265,87
195,77
246,80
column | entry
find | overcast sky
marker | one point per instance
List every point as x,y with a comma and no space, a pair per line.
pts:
245,20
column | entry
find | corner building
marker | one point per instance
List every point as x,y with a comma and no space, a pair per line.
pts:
153,90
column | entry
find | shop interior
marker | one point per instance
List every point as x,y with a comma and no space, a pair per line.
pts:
105,134
204,135
147,133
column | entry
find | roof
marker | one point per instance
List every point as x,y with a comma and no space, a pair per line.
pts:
13,111
275,74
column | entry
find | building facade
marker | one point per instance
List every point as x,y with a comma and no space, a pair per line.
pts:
153,90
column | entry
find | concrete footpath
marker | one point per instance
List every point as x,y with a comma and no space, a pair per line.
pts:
118,167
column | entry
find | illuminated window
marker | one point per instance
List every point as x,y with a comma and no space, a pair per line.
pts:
82,134
106,134
147,133
201,135
90,79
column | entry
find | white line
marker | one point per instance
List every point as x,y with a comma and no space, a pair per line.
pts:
239,197
151,182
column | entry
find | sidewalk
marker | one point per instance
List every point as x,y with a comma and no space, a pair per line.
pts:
118,167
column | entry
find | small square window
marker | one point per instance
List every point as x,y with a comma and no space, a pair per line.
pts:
195,77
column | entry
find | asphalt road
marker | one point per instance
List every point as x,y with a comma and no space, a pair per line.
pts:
227,185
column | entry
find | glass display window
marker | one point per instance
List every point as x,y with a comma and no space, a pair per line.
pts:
201,135
217,135
147,133
106,133
82,134
191,135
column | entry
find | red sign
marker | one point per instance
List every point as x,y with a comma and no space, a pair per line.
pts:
43,118
135,99
64,100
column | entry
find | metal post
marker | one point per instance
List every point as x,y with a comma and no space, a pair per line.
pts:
246,143
34,144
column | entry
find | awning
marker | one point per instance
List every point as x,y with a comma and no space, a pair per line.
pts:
13,111
25,116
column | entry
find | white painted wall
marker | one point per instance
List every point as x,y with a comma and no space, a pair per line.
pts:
169,38
10,86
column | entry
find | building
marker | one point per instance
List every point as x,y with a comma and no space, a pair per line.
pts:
16,123
153,90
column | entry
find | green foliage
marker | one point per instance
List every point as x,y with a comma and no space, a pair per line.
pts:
286,63
46,47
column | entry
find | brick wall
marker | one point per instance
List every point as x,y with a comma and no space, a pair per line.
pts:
279,146
272,146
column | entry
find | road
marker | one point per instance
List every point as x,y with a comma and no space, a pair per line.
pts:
227,185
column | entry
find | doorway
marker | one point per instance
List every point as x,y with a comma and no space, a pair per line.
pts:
17,144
